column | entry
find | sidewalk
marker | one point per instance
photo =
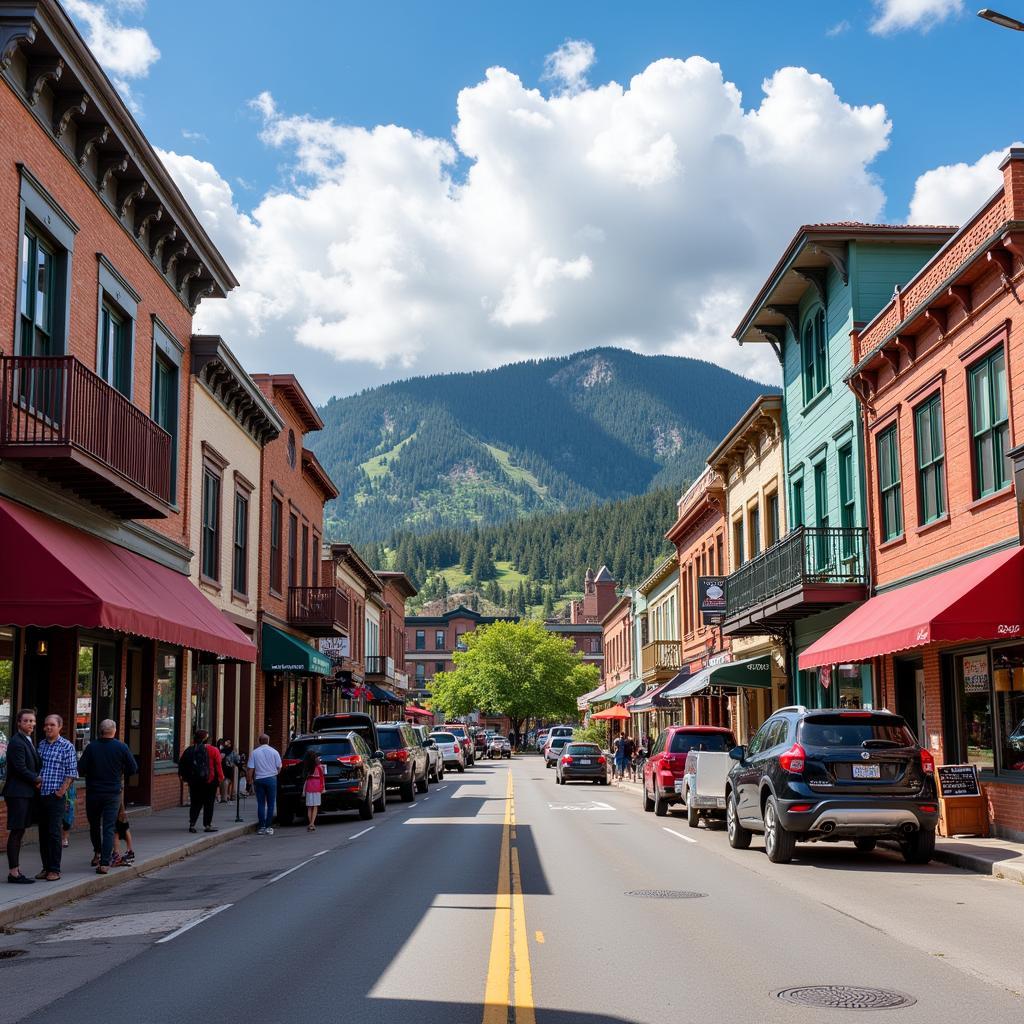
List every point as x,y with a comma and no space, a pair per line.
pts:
160,839
998,857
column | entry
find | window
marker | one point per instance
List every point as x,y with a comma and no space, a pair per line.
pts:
305,556
989,424
421,671
754,530
96,690
240,548
293,541
314,563
210,547
439,640
115,360
421,640
890,496
438,667
977,739
847,500
719,557
165,699
796,512
813,355
203,699
165,408
822,546
737,543
772,525
37,295
275,544
931,461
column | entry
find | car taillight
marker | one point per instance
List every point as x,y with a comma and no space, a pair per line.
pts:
601,760
290,762
566,759
800,808
927,762
793,759
397,755
349,759
929,808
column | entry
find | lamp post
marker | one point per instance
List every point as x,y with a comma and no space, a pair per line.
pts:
1002,20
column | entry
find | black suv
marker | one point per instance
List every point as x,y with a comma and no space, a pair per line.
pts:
406,762
355,776
833,774
349,721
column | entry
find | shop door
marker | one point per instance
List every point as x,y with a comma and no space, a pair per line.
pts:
137,787
910,697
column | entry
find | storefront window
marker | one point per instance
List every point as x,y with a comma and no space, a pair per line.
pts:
851,685
204,693
296,705
96,690
1008,686
975,700
7,640
165,699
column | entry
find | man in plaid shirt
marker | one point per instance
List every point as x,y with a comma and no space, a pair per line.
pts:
60,768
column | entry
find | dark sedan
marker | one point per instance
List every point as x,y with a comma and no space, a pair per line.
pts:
355,777
581,762
406,762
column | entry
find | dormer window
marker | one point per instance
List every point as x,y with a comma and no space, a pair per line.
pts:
813,354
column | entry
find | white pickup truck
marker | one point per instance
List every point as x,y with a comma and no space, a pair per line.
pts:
702,786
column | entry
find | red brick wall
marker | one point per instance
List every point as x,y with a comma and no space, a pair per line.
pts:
697,548
618,647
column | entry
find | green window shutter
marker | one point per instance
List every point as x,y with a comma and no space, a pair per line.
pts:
889,484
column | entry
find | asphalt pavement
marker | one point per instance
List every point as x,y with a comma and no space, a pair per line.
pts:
501,897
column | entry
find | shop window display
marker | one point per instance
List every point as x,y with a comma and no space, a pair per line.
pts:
975,702
168,676
96,690
1008,689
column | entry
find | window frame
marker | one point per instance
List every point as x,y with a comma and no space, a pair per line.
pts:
796,502
420,640
304,556
738,543
117,299
814,352
931,407
212,468
1002,476
169,351
772,520
847,499
240,545
293,548
889,437
276,547
753,517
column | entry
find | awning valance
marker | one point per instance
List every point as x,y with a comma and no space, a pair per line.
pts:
411,709
750,672
584,702
649,701
53,574
382,695
619,693
282,652
983,600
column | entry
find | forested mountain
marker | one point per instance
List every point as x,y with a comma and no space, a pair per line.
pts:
457,450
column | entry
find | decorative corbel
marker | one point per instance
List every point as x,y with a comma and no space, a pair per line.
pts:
67,105
88,139
892,358
837,255
198,290
775,335
186,272
907,344
939,317
1014,241
173,252
39,73
870,384
127,193
816,278
1003,261
146,214
14,33
791,314
158,236
108,168
961,296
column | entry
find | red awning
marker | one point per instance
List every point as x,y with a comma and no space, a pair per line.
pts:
412,709
52,574
983,600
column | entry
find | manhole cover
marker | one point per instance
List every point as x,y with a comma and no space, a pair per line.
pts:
846,997
10,954
666,894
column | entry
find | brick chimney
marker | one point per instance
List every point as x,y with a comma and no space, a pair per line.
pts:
1013,183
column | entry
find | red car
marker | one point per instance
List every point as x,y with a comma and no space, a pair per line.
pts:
667,760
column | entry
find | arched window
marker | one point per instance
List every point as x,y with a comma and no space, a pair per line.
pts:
814,354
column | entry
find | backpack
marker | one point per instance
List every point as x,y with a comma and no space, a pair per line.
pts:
194,765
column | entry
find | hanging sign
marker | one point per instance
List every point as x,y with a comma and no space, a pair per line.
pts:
825,676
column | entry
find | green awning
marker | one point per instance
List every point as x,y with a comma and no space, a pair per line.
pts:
619,693
282,652
754,673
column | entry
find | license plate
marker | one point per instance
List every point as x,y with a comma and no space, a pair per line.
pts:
867,771
679,785
584,761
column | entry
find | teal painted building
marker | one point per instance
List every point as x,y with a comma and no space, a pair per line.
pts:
831,280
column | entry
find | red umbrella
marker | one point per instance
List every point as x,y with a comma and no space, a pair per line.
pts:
617,712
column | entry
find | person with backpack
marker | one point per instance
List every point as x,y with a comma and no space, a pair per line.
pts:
200,767
315,782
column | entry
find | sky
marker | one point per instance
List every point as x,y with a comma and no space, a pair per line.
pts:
406,188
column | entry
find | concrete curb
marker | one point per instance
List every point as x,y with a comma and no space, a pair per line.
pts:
61,896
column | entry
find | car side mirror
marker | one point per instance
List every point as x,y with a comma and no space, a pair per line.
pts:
430,744
378,755
738,753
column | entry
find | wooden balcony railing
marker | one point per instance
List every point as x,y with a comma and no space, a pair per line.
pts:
318,611
661,657
62,419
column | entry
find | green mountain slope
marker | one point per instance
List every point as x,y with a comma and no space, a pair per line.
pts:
468,449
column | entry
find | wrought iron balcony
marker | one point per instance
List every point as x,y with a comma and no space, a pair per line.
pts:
61,420
380,667
318,611
660,660
811,569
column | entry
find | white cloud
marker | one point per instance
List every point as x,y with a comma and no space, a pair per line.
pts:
193,136
570,63
952,193
644,215
899,15
838,29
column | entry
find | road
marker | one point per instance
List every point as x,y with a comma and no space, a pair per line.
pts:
502,897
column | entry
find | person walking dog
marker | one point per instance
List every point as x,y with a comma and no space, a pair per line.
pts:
21,791
264,765
200,767
105,764
59,770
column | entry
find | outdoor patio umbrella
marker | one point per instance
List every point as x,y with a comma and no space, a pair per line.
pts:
610,714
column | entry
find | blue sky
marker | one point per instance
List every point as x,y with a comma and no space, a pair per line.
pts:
402,272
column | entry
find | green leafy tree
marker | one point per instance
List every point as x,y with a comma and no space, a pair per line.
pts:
517,669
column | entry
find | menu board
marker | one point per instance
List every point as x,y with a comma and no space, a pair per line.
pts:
976,673
958,780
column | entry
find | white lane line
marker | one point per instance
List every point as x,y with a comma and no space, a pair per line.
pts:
363,833
442,787
678,835
199,920
426,798
301,864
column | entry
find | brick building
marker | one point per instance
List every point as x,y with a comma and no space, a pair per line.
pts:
102,264
935,372
617,642
431,640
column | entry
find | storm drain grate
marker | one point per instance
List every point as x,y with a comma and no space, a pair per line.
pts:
666,894
10,954
846,997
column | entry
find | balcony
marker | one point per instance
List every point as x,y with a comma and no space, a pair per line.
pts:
809,571
660,660
62,421
318,611
379,667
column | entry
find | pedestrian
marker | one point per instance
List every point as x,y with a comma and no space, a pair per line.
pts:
59,770
315,782
629,749
123,834
21,791
105,764
229,761
264,764
619,746
200,767
67,823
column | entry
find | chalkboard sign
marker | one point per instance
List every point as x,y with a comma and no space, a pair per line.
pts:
958,780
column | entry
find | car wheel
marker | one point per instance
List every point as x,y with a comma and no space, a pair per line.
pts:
864,844
660,803
692,814
366,807
739,837
286,814
406,791
648,802
779,842
440,773
920,848
433,775
421,783
380,805
462,768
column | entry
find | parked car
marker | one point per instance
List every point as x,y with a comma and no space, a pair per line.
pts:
827,775
666,761
435,763
349,721
581,762
461,732
561,730
480,740
355,776
702,786
553,749
406,765
542,738
499,746
450,749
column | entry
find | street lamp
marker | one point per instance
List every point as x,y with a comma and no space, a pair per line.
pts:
1003,20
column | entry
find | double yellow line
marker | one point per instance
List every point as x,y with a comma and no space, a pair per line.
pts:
508,996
